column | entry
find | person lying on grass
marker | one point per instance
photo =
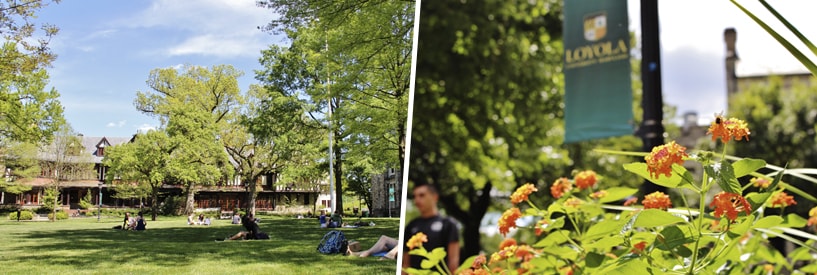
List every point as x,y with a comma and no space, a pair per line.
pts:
253,231
384,244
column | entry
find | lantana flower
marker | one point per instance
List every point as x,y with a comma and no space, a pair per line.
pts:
417,240
560,187
656,200
812,220
639,247
508,220
760,182
599,194
573,203
728,129
585,179
661,159
521,193
506,243
631,201
781,200
730,204
540,226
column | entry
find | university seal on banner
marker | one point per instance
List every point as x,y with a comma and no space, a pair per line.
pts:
595,26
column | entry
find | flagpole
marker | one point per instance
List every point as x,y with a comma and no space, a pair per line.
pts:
652,128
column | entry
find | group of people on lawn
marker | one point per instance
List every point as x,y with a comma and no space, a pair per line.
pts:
134,223
201,220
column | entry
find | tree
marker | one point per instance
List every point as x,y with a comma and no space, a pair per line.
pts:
260,145
783,124
192,104
28,111
143,162
64,159
19,165
360,75
480,121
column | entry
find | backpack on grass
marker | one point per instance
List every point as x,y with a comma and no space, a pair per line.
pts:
333,242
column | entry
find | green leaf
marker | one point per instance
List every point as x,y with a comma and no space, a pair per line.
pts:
725,177
655,218
617,193
794,221
670,238
768,222
746,166
594,259
790,27
791,48
738,230
466,264
605,243
553,239
640,168
603,228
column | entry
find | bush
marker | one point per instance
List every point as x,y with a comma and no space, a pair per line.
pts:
61,215
24,215
85,203
172,206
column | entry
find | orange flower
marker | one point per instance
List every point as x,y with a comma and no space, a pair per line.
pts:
728,129
503,254
760,182
656,200
631,201
781,200
508,220
478,261
661,159
506,243
639,247
573,202
524,252
585,179
417,240
540,226
812,220
599,194
521,193
730,204
560,187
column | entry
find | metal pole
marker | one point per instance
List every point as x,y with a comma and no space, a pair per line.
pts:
652,128
99,209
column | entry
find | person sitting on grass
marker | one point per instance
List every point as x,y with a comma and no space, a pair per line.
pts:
253,231
140,222
236,218
384,244
322,219
129,222
336,220
191,220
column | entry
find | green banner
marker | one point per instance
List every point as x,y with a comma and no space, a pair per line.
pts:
598,95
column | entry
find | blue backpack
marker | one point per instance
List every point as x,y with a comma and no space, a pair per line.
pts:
333,242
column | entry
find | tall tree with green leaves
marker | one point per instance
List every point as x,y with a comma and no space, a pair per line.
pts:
488,103
64,159
28,111
193,104
342,66
20,164
143,162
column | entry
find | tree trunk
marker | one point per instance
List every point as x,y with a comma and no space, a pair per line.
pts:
154,205
252,195
56,202
338,175
470,220
189,205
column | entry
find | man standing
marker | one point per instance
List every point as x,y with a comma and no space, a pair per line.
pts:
441,231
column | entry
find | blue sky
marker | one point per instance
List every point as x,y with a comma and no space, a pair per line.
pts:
106,50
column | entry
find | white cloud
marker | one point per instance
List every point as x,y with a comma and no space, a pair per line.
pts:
144,128
222,28
118,124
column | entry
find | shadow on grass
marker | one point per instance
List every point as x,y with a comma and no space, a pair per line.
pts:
292,242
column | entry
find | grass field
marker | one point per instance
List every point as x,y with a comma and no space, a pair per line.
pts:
170,246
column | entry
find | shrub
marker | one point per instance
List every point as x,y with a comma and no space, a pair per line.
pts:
24,215
85,203
61,215
172,206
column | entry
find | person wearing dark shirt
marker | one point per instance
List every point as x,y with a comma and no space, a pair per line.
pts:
441,231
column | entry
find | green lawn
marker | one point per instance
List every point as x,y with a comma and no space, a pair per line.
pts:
170,246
